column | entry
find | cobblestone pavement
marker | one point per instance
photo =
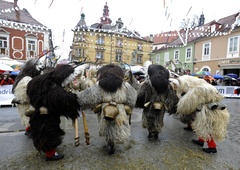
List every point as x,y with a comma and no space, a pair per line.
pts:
233,106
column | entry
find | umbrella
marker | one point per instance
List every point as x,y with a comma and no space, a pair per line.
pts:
137,68
217,76
5,67
204,73
228,78
197,75
16,66
9,61
15,73
137,72
232,75
194,74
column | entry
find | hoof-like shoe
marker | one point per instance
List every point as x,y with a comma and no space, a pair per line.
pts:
28,133
111,150
150,135
188,128
210,150
55,157
200,143
156,135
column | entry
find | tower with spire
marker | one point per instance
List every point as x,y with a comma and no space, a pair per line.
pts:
201,20
105,18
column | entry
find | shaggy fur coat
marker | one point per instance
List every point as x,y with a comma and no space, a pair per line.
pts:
31,69
110,88
156,89
201,100
48,91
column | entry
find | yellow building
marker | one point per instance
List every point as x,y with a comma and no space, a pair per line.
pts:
106,42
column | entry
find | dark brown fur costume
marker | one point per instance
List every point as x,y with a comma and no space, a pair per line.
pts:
47,91
156,89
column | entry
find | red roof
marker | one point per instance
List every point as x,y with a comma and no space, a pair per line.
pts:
9,13
165,37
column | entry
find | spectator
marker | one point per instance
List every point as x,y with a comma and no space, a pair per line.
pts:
6,80
1,77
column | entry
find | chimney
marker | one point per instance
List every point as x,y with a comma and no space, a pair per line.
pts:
15,4
151,37
16,8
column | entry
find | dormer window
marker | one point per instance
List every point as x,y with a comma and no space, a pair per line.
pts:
213,28
238,19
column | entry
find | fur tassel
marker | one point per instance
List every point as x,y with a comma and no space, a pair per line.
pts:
211,122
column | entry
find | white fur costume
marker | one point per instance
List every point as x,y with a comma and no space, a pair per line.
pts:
32,68
20,94
197,97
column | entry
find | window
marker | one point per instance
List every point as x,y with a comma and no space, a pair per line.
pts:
206,51
80,53
100,40
233,44
31,48
139,59
100,55
140,47
119,43
176,55
188,54
3,45
213,28
158,58
118,56
166,57
79,38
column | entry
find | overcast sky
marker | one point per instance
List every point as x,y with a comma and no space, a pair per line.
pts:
146,17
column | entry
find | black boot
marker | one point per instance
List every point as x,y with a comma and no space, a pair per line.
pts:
55,157
28,133
189,128
111,149
156,135
150,135
210,150
198,142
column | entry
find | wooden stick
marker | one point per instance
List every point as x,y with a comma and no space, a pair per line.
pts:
85,128
77,143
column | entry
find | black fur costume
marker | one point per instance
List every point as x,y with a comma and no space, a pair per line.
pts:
47,91
156,97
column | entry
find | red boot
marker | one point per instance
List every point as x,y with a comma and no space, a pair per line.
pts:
28,132
52,155
211,147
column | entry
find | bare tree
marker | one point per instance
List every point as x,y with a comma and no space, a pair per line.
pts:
189,23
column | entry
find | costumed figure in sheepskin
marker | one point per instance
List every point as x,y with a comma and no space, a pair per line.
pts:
32,68
156,97
200,104
130,78
50,100
112,100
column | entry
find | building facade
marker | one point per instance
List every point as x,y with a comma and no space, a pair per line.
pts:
21,36
212,47
219,52
108,42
